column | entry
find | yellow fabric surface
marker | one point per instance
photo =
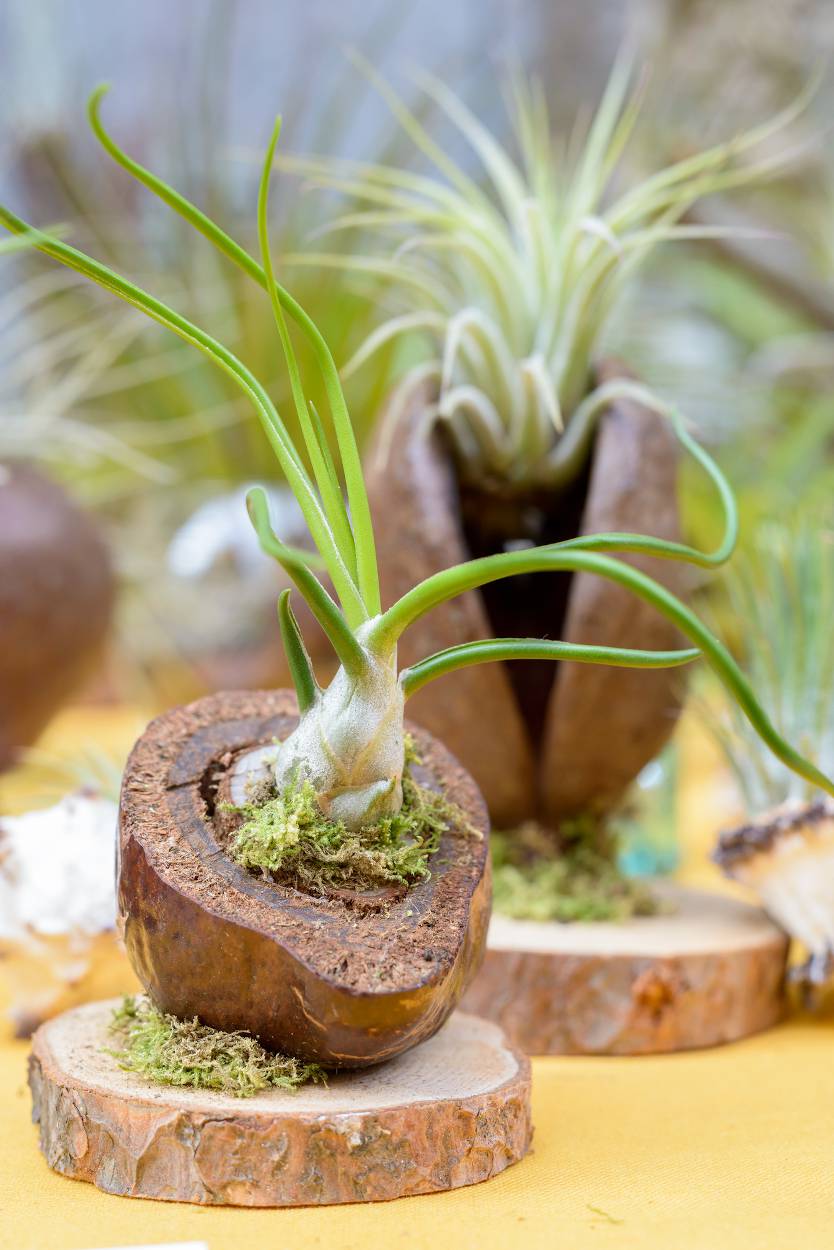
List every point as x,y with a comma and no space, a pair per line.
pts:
729,1149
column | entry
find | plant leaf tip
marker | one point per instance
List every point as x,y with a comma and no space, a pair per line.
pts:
96,96
255,501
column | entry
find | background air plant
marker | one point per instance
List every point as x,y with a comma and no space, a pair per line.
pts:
512,283
349,741
513,430
780,593
783,591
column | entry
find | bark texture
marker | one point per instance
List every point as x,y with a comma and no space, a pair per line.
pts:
414,498
56,600
711,972
453,1112
338,979
632,487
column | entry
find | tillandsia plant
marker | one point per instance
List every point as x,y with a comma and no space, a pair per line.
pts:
146,434
336,1004
783,591
512,431
513,283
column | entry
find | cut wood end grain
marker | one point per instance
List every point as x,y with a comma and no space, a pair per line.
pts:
709,971
453,1111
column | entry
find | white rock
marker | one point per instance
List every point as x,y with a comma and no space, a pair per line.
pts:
57,868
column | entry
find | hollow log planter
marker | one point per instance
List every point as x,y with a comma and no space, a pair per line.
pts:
534,747
452,1112
56,601
711,971
346,980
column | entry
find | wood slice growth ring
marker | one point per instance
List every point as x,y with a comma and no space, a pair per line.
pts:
453,1111
339,981
711,971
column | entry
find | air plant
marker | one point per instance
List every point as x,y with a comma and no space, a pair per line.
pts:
509,428
783,591
512,284
349,743
148,435
344,995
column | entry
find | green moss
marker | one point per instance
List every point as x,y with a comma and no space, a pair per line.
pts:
288,838
185,1052
533,879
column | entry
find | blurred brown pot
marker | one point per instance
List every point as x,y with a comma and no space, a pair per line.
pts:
56,601
541,741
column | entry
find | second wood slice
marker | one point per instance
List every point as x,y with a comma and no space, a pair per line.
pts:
710,970
452,1111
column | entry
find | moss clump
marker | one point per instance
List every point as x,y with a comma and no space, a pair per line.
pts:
533,879
185,1052
289,839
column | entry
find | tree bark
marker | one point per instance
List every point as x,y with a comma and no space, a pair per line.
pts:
573,768
334,979
452,1112
712,971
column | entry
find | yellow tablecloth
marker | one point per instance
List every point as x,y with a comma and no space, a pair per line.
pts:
730,1149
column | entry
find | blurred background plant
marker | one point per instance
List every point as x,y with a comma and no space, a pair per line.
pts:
144,433
741,330
782,588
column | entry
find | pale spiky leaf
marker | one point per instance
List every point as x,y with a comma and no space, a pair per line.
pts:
518,277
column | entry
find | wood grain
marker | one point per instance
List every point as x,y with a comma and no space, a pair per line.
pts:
454,1111
712,971
415,497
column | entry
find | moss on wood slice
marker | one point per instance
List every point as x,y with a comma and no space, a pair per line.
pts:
710,971
452,1112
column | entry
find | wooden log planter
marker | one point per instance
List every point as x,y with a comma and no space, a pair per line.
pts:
349,980
453,1111
712,972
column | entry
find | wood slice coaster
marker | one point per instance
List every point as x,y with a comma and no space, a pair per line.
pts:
453,1111
710,971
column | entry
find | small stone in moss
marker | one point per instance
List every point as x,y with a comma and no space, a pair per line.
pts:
170,1051
536,877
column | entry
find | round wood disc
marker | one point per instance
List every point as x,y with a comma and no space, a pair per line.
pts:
453,1111
710,970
